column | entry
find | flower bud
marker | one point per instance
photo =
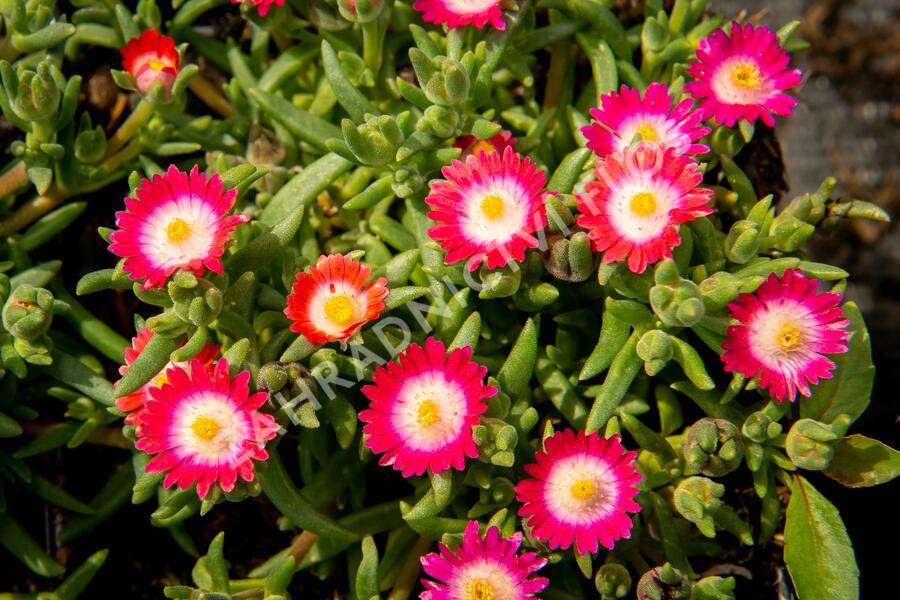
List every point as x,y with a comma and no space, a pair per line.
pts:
375,142
675,300
790,233
697,499
742,241
271,377
760,428
503,491
613,581
439,121
655,349
407,181
28,312
719,289
90,146
714,588
449,86
168,324
570,259
499,283
664,583
35,95
809,443
713,447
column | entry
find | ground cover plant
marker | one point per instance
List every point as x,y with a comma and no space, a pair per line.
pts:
483,299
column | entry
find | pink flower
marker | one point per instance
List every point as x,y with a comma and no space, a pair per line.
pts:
487,568
262,6
487,208
581,491
783,330
134,402
332,301
639,197
472,145
151,58
625,117
204,429
459,13
423,407
742,76
176,222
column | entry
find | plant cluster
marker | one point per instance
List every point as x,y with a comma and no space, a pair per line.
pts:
481,296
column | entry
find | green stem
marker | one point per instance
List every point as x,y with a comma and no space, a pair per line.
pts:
13,180
213,98
373,43
140,115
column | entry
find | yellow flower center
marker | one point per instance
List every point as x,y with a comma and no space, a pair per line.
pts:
789,337
428,413
205,428
583,490
647,132
339,309
480,589
643,204
492,207
157,65
161,379
745,75
177,230
484,145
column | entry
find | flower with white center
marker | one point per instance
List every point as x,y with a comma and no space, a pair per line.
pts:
784,330
332,301
133,403
204,429
581,490
742,76
640,196
482,569
423,407
625,117
151,58
459,13
487,208
177,221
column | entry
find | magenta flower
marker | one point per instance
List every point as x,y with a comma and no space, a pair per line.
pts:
176,222
204,429
640,196
581,491
743,76
624,117
459,13
483,569
783,330
487,208
423,407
